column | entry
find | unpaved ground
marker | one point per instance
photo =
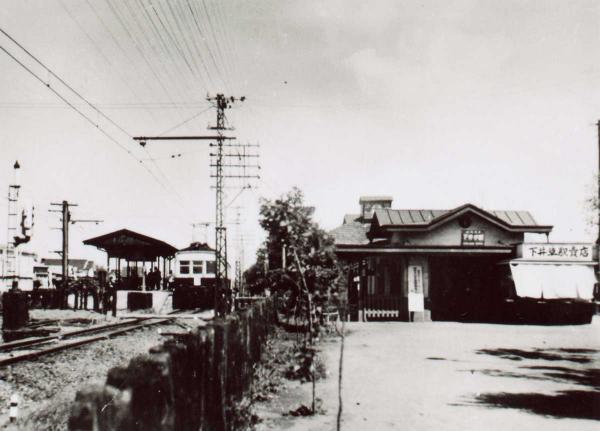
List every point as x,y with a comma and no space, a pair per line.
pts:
47,386
453,376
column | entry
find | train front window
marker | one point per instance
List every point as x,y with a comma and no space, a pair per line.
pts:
197,266
211,267
184,267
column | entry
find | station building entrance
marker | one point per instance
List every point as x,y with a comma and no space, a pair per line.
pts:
464,287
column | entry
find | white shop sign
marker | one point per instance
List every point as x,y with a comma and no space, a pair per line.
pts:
568,252
416,299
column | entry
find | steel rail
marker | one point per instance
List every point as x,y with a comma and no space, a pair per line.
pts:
25,356
94,334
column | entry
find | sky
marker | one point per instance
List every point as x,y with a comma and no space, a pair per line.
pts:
435,103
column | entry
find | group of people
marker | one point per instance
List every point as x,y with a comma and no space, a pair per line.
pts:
153,279
134,282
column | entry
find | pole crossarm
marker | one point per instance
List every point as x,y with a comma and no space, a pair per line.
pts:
181,138
236,176
239,156
237,145
86,221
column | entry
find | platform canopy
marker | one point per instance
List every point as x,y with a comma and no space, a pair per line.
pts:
132,246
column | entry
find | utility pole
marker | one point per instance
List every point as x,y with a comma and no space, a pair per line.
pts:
224,150
66,220
239,244
220,229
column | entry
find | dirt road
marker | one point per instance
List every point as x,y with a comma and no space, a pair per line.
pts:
453,376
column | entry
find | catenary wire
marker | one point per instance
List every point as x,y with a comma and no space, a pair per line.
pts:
86,117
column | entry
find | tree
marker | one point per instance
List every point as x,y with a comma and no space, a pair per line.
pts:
297,260
297,263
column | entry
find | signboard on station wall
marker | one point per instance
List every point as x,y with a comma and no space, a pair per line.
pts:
416,300
557,252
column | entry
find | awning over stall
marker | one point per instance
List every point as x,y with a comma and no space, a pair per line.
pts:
553,280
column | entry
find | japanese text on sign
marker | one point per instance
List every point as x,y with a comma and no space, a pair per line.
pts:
581,252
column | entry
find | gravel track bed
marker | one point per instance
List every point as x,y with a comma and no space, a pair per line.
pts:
47,386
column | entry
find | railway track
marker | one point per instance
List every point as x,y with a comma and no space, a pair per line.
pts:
31,348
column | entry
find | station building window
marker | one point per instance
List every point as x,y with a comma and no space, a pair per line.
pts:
184,267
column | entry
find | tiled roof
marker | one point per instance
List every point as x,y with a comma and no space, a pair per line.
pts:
353,232
350,234
351,218
390,217
516,218
419,218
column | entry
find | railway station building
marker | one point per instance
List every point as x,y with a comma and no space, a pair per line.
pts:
456,264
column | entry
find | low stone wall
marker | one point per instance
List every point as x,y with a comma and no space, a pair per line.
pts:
188,383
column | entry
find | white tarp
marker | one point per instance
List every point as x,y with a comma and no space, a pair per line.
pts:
553,281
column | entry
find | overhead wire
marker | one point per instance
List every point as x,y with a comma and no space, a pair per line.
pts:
196,18
177,40
106,59
51,72
181,34
167,52
61,97
80,112
173,41
213,31
140,50
185,121
217,46
95,45
112,35
190,29
225,34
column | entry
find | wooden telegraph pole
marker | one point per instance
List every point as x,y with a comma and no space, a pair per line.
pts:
66,220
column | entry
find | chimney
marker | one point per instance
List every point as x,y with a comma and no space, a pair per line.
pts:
368,205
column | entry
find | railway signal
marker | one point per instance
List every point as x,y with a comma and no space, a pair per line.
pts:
20,225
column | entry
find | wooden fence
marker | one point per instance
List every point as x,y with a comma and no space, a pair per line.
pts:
383,307
188,383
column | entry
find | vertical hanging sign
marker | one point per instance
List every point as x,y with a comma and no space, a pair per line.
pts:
416,300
